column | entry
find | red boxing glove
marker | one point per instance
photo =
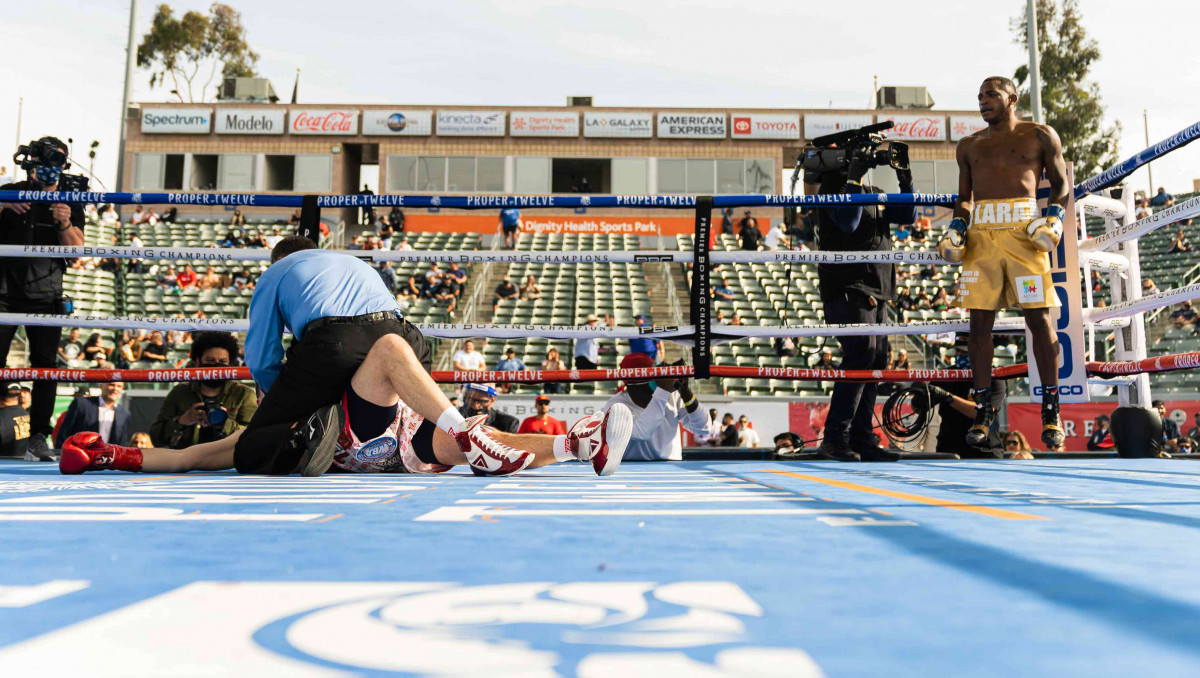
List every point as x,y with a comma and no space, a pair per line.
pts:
88,452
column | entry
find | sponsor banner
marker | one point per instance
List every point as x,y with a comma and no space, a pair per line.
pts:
965,125
820,124
543,124
403,123
807,420
1079,421
618,125
917,127
176,120
691,125
307,121
249,121
470,123
764,125
539,223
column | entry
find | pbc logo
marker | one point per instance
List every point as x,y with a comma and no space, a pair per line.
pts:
656,329
653,257
741,125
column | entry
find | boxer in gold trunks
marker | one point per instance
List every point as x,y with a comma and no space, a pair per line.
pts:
1005,251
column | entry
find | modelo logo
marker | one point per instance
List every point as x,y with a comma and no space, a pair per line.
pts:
396,122
377,449
252,124
334,122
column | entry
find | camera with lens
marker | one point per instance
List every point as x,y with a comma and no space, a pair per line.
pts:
215,415
835,152
46,160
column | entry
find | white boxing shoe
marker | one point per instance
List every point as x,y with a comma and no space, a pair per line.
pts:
602,439
486,455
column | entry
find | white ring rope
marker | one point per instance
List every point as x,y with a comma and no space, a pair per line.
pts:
1137,229
1149,302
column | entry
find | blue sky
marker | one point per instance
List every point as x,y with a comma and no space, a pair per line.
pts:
648,53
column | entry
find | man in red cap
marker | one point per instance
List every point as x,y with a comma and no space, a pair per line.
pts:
659,406
542,422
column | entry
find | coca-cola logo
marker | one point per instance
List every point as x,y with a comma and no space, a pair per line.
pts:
918,128
331,122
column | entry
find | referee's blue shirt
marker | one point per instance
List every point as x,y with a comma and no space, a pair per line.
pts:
299,289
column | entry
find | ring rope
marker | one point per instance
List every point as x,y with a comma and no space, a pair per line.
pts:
1164,363
1184,210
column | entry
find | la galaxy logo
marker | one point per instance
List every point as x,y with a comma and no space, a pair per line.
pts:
396,122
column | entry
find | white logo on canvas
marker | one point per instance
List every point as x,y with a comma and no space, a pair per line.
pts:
1029,288
464,630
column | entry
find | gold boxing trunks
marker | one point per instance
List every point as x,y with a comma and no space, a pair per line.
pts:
1001,267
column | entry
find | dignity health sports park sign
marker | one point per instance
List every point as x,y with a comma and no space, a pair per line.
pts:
691,125
626,125
176,120
543,124
764,126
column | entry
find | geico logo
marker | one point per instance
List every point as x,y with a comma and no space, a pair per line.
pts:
1063,389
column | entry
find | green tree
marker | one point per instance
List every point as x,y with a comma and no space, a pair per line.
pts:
183,48
1071,104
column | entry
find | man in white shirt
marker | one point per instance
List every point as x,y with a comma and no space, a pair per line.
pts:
587,351
775,237
659,407
747,436
6,177
468,359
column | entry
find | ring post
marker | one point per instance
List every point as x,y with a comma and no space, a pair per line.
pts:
1131,340
701,300
310,219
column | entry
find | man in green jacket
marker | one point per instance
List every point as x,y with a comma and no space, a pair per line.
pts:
203,411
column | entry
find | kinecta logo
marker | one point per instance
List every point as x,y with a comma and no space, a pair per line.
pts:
250,124
468,118
174,119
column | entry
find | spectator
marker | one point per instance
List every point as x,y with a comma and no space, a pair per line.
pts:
1148,287
366,215
102,414
747,436
510,225
1170,430
129,352
108,215
553,362
186,277
775,237
233,238
720,318
787,347
645,345
273,239
256,239
825,362
395,219
409,290
729,431
403,245
93,350
903,233
467,359
136,265
509,363
479,399
1179,243
748,232
506,290
727,221
658,413
723,292
941,300
1016,446
26,400
1101,438
736,320
448,291
713,435
1141,206
14,424
388,274
156,349
170,216
210,280
587,351
905,300
238,219
204,411
1162,198
70,348
787,444
141,440
433,276
902,362
1184,315
531,290
167,280
139,215
294,219
243,280
386,232
457,273
178,336
920,228
1194,432
542,422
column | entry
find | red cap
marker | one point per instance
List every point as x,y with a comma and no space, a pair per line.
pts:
636,360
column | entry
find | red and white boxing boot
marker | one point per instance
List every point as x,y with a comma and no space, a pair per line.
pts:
486,455
601,439
88,452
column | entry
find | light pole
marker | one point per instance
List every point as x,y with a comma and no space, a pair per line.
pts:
130,63
1149,172
1035,75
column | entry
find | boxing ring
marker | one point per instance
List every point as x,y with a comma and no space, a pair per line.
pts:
756,568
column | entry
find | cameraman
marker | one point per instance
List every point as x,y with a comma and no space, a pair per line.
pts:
856,293
203,411
34,285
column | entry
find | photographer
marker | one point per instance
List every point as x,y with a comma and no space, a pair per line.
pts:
34,285
855,293
203,411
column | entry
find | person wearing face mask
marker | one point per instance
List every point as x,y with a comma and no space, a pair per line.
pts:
204,411
478,399
659,406
35,285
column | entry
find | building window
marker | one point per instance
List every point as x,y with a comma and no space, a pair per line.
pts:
581,175
705,176
760,176
314,173
235,173
489,175
173,172
672,175
532,176
630,176
431,174
401,174
204,173
148,171
460,175
729,176
280,172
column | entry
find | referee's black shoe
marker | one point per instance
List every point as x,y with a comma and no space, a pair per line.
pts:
873,452
836,450
317,437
